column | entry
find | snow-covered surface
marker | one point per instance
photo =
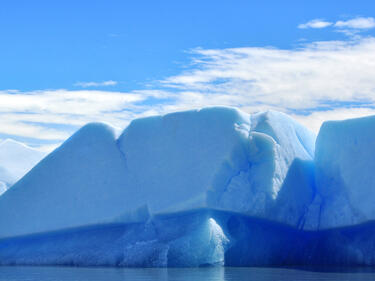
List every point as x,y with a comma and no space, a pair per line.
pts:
16,159
345,166
217,158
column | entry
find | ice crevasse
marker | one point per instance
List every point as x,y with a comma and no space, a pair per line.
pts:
192,188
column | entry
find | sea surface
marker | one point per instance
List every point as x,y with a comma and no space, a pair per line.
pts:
21,273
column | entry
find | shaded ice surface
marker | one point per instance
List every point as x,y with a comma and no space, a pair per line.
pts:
345,166
205,187
16,159
194,239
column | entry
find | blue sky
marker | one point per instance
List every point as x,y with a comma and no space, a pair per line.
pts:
65,63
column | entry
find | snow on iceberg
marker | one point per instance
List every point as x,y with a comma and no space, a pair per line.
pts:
345,175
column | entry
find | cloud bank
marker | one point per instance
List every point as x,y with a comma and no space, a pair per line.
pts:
312,82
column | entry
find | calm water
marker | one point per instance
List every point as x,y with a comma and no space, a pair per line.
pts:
206,274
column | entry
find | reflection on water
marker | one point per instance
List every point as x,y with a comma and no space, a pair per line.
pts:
20,273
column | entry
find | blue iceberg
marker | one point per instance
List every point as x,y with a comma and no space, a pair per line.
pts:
207,187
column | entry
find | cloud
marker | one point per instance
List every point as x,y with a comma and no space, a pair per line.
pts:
351,27
314,75
54,114
357,23
318,78
96,84
313,83
315,119
315,23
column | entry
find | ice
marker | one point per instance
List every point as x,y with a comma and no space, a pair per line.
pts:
178,157
181,240
215,158
345,171
80,183
191,239
207,187
218,158
278,183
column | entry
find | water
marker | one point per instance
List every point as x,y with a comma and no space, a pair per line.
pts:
177,274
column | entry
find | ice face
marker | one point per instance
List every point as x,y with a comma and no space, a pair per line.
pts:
345,171
278,182
184,239
192,239
174,159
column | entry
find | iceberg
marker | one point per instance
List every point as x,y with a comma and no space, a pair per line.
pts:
207,187
215,158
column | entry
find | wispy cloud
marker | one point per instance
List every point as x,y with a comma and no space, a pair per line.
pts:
321,76
349,27
357,23
96,84
316,23
54,114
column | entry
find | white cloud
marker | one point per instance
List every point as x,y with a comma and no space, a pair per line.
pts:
54,114
287,79
315,82
96,84
315,23
357,23
315,119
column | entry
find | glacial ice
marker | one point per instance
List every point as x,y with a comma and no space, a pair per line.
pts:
205,187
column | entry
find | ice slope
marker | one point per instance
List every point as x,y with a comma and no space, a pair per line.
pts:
345,166
16,159
215,158
80,183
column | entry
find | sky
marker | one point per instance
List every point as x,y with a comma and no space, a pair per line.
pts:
66,63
